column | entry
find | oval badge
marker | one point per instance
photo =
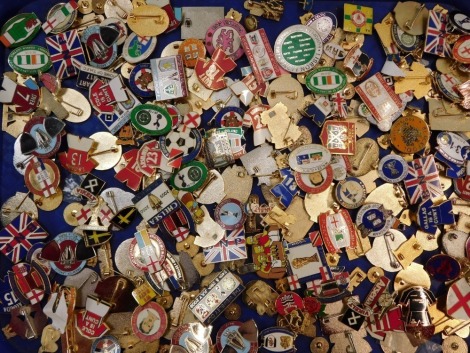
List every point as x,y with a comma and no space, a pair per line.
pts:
30,59
151,119
20,30
137,49
190,177
277,339
309,158
453,147
326,80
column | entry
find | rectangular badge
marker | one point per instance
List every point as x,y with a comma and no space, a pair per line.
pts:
214,299
88,74
169,78
197,20
381,100
261,56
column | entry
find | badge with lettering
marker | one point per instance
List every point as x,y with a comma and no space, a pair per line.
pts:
89,74
326,80
76,159
430,215
277,339
374,220
211,73
339,137
287,188
149,322
63,254
309,158
24,99
42,177
90,321
63,12
150,257
30,60
100,44
155,202
169,78
103,96
337,230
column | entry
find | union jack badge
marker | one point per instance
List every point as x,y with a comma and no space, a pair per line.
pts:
422,181
232,247
436,33
19,236
66,53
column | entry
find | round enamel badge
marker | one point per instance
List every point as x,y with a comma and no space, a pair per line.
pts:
226,34
149,322
298,48
141,81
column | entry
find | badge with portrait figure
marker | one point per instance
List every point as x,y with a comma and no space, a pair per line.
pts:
149,322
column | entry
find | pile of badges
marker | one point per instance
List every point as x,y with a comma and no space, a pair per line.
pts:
228,177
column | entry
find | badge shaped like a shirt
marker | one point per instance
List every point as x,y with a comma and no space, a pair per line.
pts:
89,322
24,99
287,188
211,73
103,96
76,159
155,202
430,215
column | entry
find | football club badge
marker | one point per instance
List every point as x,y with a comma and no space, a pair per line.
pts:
155,202
443,267
89,74
90,321
337,230
149,157
24,99
422,181
415,303
229,117
374,220
29,282
355,314
458,299
149,322
19,236
181,145
8,298
141,81
148,254
190,177
66,53
76,159
309,158
42,136
305,258
231,248
277,339
287,188
64,11
179,224
236,334
436,34
100,44
268,253
211,73
124,217
339,137
230,214
103,96
430,215
393,168
93,184
137,49
30,60
67,253
93,237
42,177
358,19
378,325
130,174
252,118
235,138
151,119
169,77
326,80
20,30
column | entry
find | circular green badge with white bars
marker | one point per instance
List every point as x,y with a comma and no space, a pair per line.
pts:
30,59
326,80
